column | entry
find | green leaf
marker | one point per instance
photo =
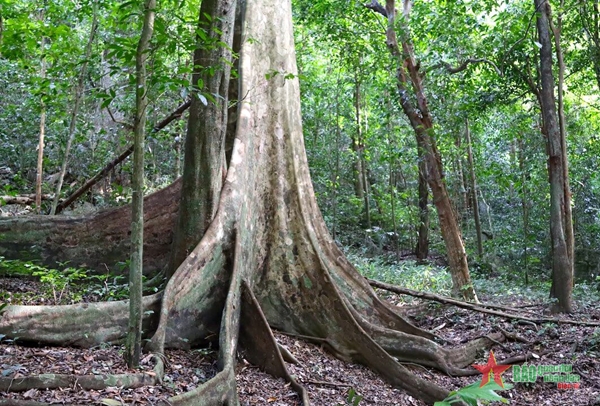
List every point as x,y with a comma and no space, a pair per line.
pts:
202,98
472,393
110,402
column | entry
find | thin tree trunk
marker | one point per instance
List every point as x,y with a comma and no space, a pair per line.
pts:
569,234
78,99
525,209
562,264
392,177
136,311
359,186
474,190
422,124
40,157
335,181
422,248
463,194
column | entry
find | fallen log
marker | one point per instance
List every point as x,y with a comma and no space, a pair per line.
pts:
22,199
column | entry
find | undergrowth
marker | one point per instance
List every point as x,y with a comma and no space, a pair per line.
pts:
436,279
61,285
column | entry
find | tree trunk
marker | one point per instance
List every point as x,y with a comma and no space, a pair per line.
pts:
75,111
421,122
40,158
562,263
133,346
474,191
204,159
266,260
569,234
524,208
422,248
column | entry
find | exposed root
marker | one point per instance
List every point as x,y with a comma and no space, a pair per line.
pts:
15,402
85,382
80,325
260,345
219,390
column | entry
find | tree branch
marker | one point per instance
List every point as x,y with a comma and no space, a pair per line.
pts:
476,307
465,64
377,7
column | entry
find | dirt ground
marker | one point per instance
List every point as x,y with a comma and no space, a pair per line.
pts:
329,381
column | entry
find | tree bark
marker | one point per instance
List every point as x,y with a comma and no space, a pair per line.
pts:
422,248
421,122
569,234
524,208
562,264
97,240
40,157
204,160
474,190
133,346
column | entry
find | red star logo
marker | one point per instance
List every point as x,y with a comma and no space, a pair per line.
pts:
491,368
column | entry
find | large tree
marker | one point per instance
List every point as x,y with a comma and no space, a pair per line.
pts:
264,261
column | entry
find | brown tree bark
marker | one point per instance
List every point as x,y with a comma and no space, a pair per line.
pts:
417,111
422,248
97,240
266,259
40,156
562,262
474,196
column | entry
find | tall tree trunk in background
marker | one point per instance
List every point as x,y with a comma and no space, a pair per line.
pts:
335,181
75,111
569,234
524,208
474,190
408,74
562,263
207,125
134,335
422,248
360,180
40,157
463,195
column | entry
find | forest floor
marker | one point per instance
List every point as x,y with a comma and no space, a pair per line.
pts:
328,381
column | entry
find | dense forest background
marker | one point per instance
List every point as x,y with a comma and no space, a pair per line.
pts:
67,71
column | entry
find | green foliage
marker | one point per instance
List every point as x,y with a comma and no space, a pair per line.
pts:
474,395
409,274
67,284
353,398
60,281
